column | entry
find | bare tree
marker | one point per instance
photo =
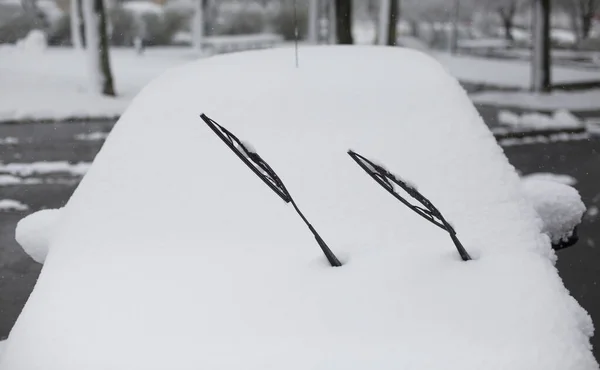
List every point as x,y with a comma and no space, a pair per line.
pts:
97,46
77,24
198,23
541,62
582,14
383,23
343,21
506,10
313,21
393,22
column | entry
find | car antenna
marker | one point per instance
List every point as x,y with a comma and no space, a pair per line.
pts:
387,180
296,33
250,157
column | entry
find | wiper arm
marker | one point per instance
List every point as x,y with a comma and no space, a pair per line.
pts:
387,180
261,168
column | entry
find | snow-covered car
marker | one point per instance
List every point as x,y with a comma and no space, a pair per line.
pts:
352,213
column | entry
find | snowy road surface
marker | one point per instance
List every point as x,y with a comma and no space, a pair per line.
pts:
75,143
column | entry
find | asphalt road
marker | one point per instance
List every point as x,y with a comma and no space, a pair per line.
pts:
578,266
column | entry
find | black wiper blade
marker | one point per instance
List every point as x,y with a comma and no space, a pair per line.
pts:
429,212
261,168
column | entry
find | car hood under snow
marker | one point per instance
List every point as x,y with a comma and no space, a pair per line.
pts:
172,254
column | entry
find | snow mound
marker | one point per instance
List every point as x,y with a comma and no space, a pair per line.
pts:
559,119
35,41
559,206
8,140
92,136
44,168
546,176
216,271
7,205
33,233
2,344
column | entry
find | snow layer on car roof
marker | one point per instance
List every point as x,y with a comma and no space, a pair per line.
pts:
172,254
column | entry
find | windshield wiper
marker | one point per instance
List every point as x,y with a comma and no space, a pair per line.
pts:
429,212
250,157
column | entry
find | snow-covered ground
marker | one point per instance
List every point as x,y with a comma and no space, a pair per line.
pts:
53,84
507,73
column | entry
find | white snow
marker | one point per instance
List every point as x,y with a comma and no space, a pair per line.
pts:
143,7
12,205
92,136
544,139
554,177
34,233
216,271
8,140
2,343
556,100
560,119
42,168
7,180
60,89
559,206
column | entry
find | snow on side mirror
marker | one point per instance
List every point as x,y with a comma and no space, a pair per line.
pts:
389,181
34,233
559,206
250,157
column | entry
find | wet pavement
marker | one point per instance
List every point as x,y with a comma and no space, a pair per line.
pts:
580,159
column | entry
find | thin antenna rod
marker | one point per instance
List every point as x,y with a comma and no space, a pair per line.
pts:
296,32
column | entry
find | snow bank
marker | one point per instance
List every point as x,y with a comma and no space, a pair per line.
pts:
33,233
2,343
92,136
8,140
216,271
45,167
7,205
568,100
554,177
559,206
560,119
543,139
35,41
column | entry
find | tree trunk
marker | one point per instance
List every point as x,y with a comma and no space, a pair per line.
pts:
97,47
198,24
383,22
313,21
343,24
507,22
77,25
453,39
540,68
586,25
392,23
331,21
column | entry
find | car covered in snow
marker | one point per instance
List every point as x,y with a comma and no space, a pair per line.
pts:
352,213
